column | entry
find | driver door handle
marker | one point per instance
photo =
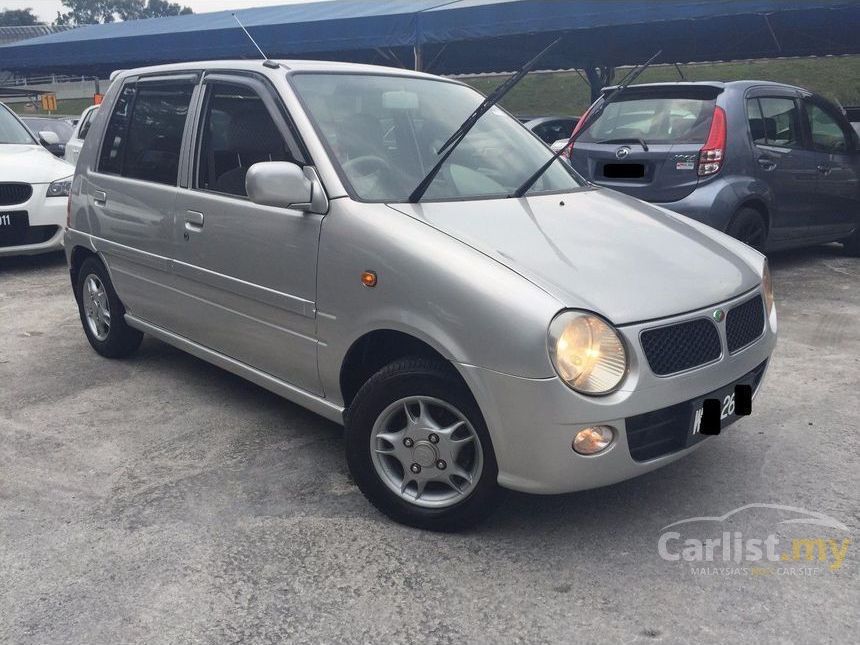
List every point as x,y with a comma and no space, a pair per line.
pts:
193,221
766,163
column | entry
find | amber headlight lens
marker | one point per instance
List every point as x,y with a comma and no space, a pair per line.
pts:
767,289
587,352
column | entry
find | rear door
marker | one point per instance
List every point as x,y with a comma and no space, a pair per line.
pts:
248,271
647,143
783,160
837,203
132,190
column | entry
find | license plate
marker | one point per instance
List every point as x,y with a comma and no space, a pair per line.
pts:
13,226
721,408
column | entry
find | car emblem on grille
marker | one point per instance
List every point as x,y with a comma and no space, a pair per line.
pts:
622,152
718,315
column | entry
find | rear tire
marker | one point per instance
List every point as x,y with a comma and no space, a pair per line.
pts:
749,227
852,244
418,447
102,313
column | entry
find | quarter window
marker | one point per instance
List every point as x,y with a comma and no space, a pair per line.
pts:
827,134
237,131
144,136
779,122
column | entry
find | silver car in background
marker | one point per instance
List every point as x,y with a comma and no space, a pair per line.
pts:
258,216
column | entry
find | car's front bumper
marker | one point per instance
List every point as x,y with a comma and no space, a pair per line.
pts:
47,220
532,422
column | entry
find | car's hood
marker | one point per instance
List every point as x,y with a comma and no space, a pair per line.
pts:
31,165
602,251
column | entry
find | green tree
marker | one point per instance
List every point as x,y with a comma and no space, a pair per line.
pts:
91,12
18,18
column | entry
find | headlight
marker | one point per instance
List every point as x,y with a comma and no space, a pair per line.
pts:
767,289
60,188
587,352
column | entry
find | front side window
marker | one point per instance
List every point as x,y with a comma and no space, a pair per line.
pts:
827,134
85,126
383,133
11,130
781,121
144,136
237,131
552,131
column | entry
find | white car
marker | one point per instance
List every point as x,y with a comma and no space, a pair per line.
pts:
74,145
34,188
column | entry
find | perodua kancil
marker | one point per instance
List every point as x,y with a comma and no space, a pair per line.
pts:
334,233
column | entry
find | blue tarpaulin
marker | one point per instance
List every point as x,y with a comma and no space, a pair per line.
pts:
461,36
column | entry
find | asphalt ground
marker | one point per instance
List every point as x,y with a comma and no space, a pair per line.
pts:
161,500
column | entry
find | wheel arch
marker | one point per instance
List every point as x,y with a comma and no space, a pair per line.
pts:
374,349
757,204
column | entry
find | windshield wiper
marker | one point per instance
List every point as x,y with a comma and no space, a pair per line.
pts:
638,140
593,114
454,140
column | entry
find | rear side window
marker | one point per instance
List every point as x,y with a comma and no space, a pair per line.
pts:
827,133
774,121
673,115
144,136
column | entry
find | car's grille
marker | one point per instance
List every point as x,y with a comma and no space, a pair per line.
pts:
680,347
14,193
665,431
745,324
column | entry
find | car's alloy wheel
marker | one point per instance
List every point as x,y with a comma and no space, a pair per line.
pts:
418,447
96,307
102,312
426,451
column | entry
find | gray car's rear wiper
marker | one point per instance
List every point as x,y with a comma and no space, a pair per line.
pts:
592,115
638,140
461,132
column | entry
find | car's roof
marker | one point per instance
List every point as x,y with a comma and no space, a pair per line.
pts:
742,85
525,118
286,65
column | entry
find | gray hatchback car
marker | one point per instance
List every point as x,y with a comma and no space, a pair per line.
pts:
773,165
262,216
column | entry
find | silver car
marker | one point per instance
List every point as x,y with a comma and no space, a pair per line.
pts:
263,217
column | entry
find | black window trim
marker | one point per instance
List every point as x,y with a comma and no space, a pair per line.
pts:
274,105
191,76
804,140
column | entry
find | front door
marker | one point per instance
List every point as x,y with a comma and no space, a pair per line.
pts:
249,271
837,209
783,163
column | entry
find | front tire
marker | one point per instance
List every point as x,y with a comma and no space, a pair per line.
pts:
749,227
102,313
418,448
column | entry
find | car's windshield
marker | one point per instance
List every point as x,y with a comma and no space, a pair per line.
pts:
384,133
659,117
62,129
11,130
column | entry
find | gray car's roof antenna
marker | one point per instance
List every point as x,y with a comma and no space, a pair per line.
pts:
267,62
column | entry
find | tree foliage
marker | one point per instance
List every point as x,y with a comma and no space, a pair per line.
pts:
91,12
17,18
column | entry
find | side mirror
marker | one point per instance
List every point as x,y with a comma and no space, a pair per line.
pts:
281,183
48,138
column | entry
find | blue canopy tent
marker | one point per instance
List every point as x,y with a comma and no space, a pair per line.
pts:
461,36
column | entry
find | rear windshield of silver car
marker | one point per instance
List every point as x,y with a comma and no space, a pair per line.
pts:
383,132
656,116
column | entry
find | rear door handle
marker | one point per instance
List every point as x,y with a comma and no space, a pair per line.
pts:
766,163
99,197
193,220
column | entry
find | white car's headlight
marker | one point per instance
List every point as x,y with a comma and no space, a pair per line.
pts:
60,188
767,289
587,352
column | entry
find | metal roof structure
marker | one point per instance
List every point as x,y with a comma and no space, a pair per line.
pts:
9,35
460,36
